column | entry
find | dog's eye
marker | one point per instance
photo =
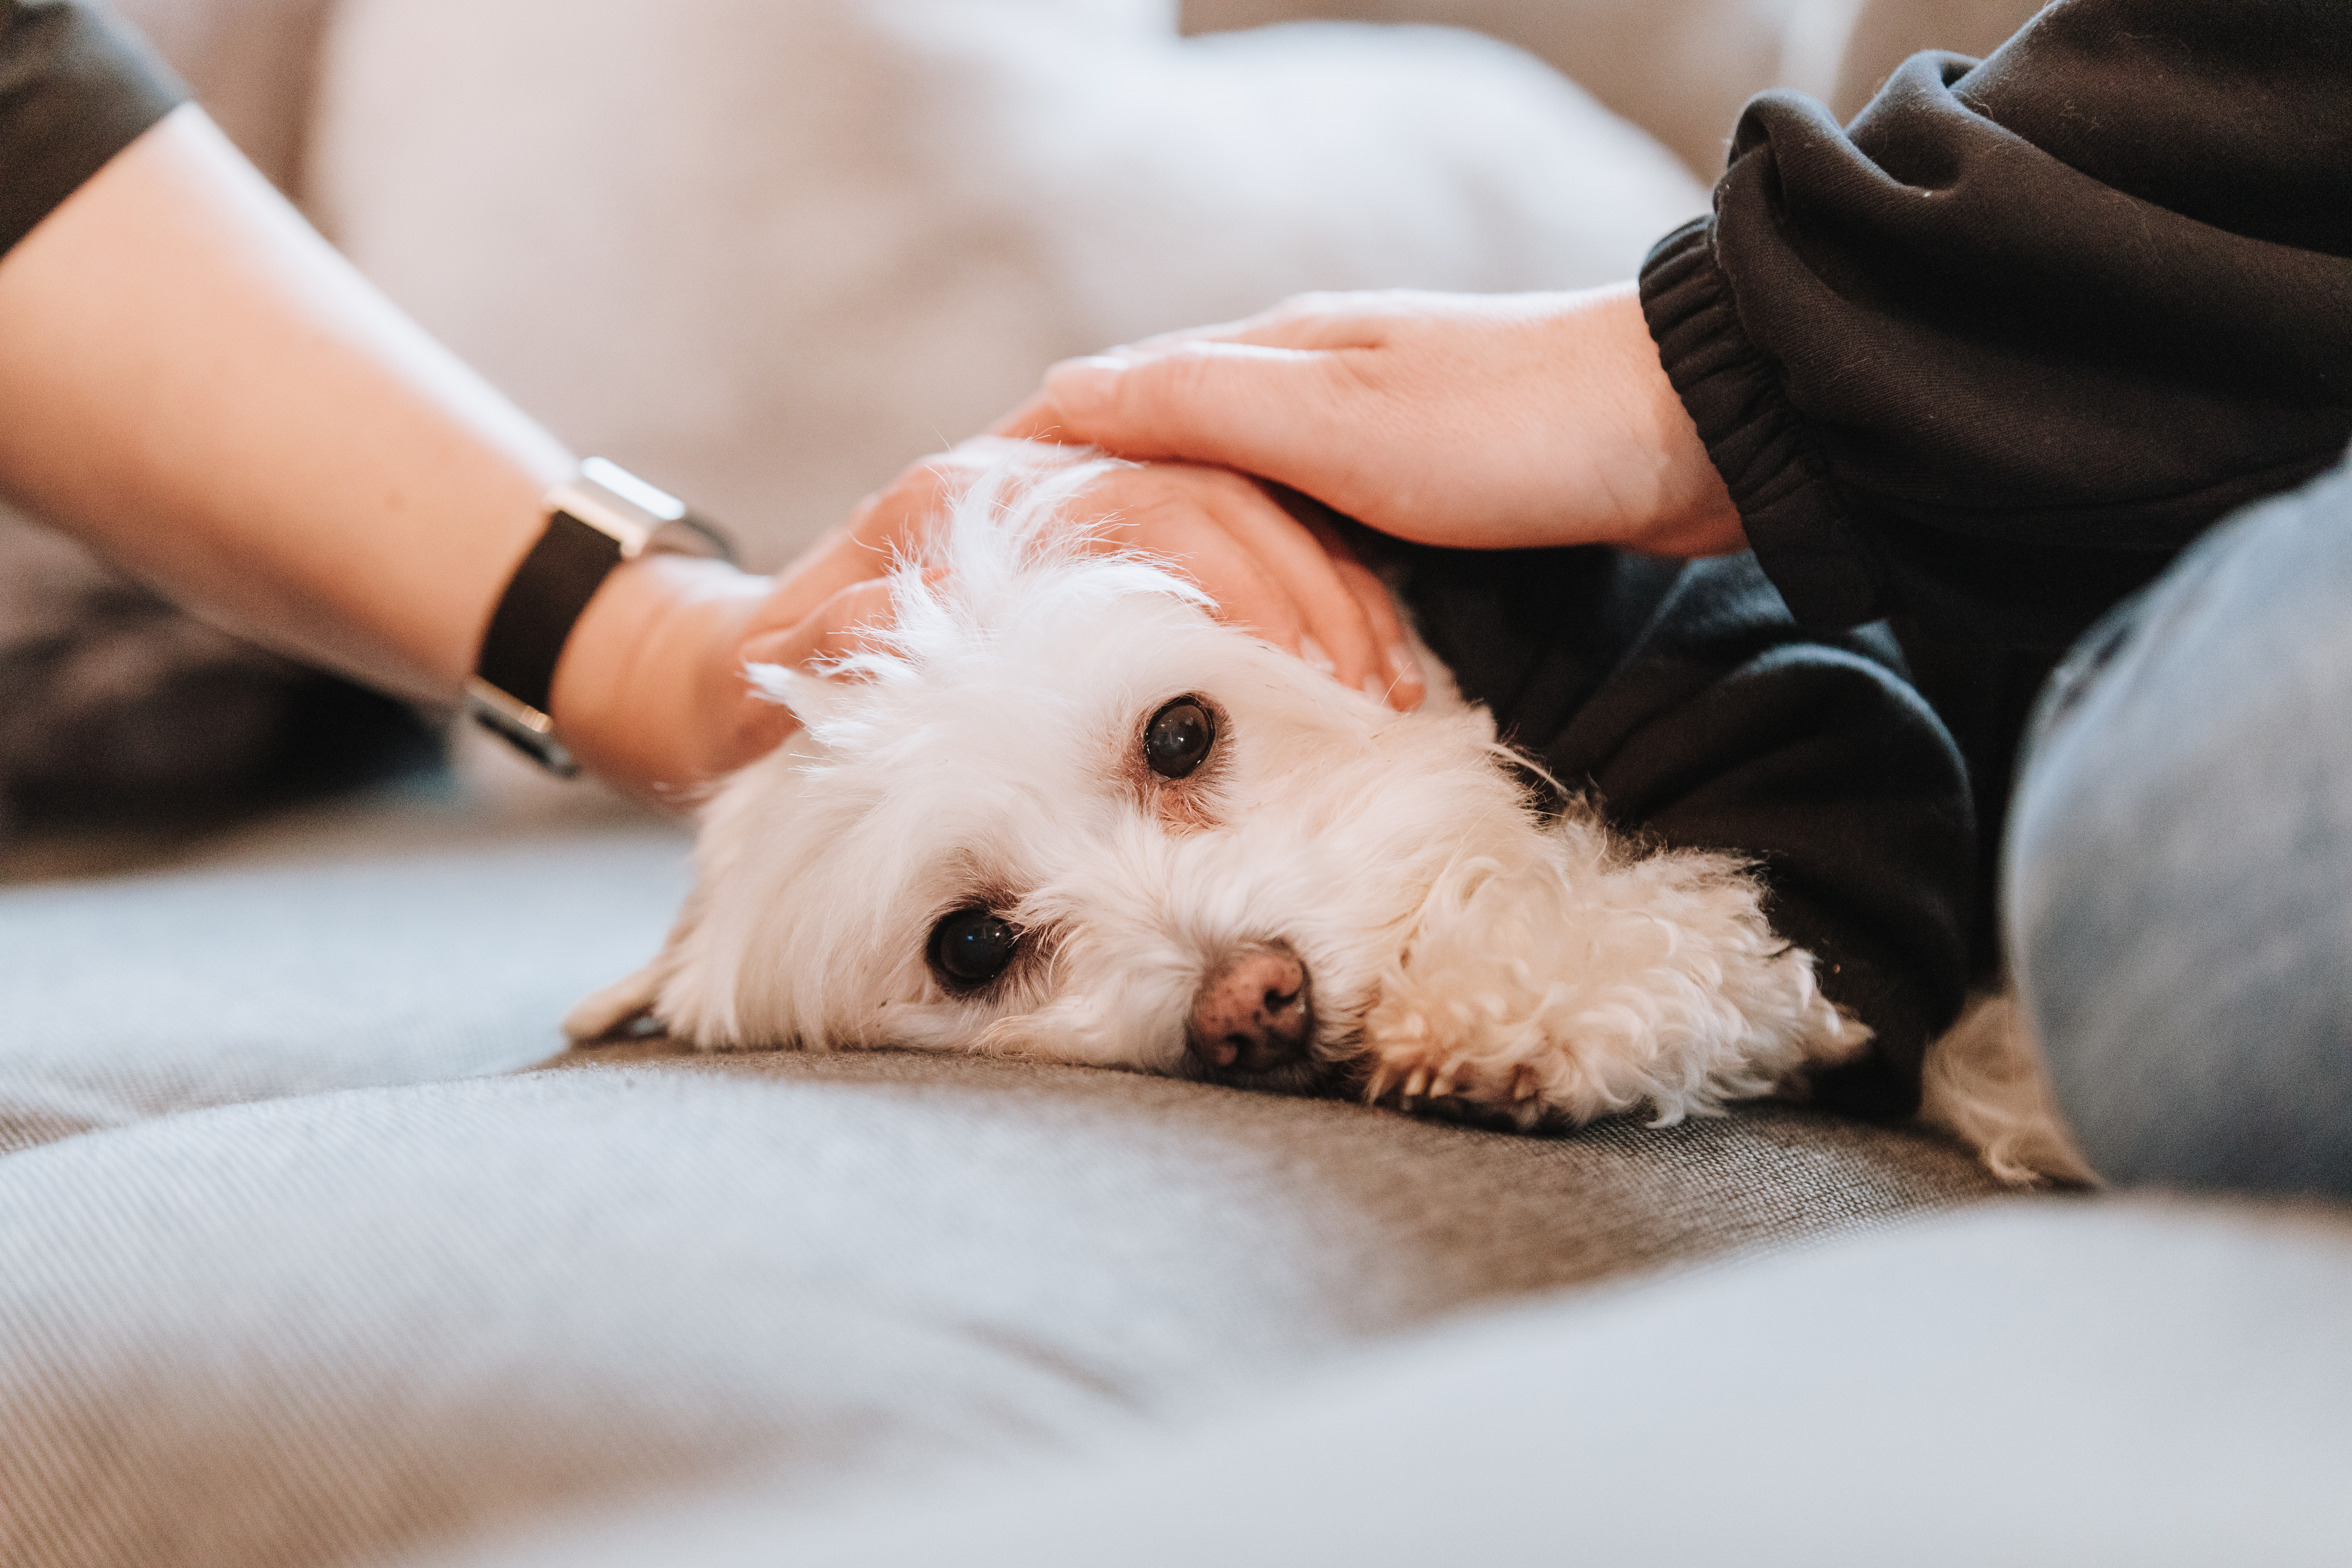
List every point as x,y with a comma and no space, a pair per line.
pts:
973,945
1178,737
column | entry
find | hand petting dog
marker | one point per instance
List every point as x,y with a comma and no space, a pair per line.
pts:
662,627
1480,422
1287,577
1477,422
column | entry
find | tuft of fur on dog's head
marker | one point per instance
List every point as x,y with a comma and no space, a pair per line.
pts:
988,759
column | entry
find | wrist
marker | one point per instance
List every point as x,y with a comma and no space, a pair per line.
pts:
649,692
1684,507
612,643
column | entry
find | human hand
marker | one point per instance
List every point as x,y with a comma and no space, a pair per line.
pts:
1282,573
651,693
1478,422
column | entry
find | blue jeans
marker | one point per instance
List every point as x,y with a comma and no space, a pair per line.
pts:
2178,877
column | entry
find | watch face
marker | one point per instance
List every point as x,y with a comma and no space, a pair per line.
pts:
690,536
635,515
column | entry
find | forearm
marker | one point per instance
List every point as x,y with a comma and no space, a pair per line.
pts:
195,383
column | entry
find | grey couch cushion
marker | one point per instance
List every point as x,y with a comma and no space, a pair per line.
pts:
2073,1384
404,941
302,1331
324,1324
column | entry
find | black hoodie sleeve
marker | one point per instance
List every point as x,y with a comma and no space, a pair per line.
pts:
76,88
1986,359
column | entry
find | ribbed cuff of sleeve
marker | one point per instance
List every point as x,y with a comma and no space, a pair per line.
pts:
76,88
1788,502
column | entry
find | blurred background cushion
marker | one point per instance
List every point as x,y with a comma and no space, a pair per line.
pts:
767,254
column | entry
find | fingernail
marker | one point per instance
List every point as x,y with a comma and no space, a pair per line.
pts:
1410,686
1081,386
1312,652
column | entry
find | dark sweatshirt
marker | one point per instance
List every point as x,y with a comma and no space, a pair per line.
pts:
76,88
1974,369
1982,363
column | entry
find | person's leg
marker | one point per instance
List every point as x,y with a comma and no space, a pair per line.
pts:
2178,880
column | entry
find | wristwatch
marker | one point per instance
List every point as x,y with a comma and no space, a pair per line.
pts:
602,516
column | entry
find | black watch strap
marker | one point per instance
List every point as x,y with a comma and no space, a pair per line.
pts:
603,517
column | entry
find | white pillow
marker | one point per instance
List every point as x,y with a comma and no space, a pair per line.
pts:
768,251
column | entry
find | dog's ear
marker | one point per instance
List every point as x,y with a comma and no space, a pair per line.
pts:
811,699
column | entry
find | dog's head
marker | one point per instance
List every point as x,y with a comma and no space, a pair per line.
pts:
1063,811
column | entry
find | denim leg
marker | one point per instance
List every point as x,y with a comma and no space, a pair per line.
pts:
2178,877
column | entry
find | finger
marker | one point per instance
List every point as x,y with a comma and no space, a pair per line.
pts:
1174,519
1034,420
838,629
1320,322
1398,679
1275,412
895,522
1402,683
1326,320
1329,607
883,528
1263,566
841,628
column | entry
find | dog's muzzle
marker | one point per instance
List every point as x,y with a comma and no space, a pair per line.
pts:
1252,1014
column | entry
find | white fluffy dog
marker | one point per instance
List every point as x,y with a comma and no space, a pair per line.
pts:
1064,813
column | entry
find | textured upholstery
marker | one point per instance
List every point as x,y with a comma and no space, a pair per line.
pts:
331,950
2076,1385
339,1319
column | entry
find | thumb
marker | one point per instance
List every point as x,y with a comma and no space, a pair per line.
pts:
1273,412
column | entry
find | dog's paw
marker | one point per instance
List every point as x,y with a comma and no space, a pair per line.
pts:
1453,1088
622,1011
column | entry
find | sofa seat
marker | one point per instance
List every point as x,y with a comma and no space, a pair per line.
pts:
315,1245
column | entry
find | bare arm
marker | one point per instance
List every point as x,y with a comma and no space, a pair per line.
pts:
197,384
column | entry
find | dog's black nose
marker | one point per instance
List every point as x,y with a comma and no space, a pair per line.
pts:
1253,1014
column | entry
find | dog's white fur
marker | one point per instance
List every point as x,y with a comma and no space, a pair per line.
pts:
1464,954
1984,1083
